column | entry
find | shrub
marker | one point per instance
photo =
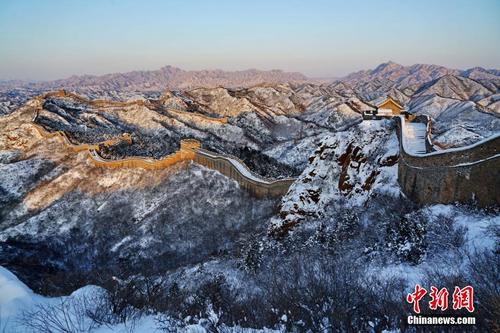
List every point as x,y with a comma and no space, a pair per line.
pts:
406,238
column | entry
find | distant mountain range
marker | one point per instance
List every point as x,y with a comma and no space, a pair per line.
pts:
169,77
407,84
66,223
389,74
401,77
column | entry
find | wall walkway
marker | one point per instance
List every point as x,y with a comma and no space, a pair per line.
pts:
469,174
79,147
190,150
186,152
237,170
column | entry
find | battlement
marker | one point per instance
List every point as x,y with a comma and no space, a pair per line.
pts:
470,174
190,150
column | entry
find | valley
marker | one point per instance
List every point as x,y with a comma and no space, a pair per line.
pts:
85,198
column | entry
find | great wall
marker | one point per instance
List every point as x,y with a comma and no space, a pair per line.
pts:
425,175
79,147
234,168
190,150
469,174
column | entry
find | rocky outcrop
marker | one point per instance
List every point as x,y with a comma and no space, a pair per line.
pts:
351,167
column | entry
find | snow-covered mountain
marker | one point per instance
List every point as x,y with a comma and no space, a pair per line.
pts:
403,76
167,77
407,76
186,248
456,87
404,81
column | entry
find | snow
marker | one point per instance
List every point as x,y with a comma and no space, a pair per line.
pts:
387,180
480,228
323,114
9,156
476,162
412,274
296,152
238,165
414,137
17,178
330,113
245,172
493,137
455,122
120,243
373,139
457,136
14,295
144,325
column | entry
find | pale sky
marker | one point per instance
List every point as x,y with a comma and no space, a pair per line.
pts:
43,40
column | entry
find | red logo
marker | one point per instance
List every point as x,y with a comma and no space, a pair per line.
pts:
439,299
416,297
462,298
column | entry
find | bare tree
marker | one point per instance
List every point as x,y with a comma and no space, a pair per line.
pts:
68,315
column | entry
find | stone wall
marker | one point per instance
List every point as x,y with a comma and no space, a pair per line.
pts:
185,153
468,175
95,102
79,147
190,150
190,116
261,188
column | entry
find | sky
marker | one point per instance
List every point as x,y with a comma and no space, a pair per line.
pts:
45,40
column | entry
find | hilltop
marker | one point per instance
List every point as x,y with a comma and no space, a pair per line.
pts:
168,77
190,242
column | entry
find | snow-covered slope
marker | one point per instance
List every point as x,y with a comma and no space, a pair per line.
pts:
223,257
346,169
455,122
23,311
456,87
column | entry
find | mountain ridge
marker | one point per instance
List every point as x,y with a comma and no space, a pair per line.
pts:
404,76
390,78
170,77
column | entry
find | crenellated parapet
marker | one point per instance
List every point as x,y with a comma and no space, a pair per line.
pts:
236,169
469,174
60,135
190,150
